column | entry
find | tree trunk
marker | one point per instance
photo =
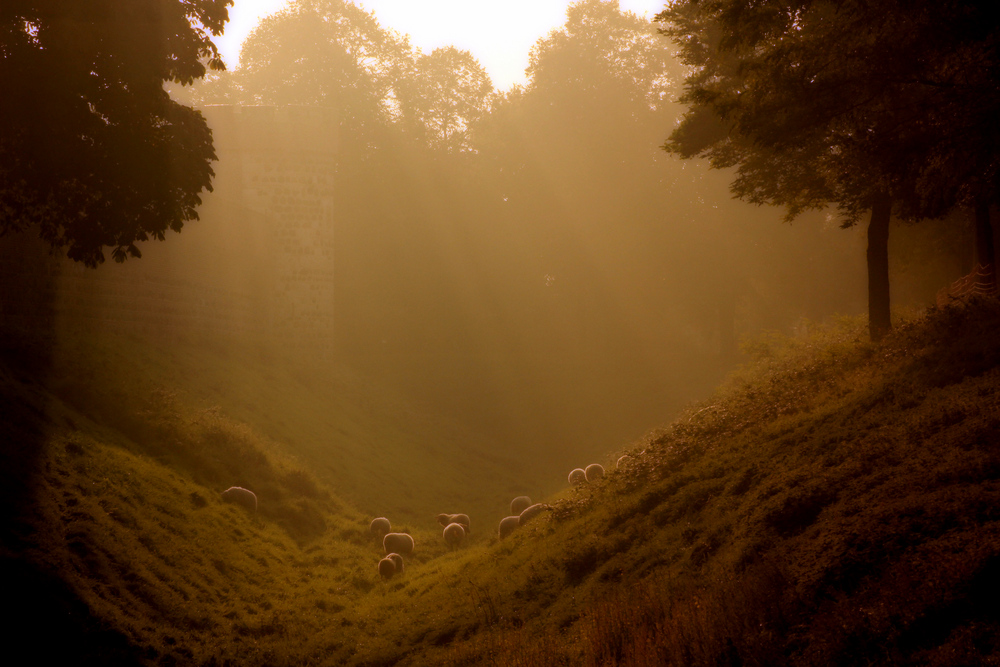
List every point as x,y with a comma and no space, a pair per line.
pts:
985,254
878,267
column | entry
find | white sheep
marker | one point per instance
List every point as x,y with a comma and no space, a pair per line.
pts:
507,525
530,513
463,519
380,527
577,476
398,560
594,472
519,504
454,533
387,568
399,543
240,496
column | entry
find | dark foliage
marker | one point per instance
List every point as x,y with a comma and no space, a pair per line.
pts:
94,152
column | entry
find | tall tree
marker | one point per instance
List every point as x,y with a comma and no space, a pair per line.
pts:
328,53
94,153
447,93
866,105
603,75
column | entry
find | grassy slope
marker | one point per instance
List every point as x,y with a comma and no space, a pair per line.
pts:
114,454
836,503
384,455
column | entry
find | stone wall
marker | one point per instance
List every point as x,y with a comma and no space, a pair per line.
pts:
285,161
258,264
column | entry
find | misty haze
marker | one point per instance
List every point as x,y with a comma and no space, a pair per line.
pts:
683,352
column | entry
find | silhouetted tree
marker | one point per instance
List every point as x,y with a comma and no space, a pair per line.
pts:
867,105
328,53
93,152
447,92
598,82
584,137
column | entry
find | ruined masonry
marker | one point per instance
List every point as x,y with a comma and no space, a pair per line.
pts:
259,262
278,165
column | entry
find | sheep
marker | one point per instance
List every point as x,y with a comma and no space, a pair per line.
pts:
463,519
240,496
454,533
530,513
398,560
594,472
399,543
387,568
519,504
380,527
507,525
577,476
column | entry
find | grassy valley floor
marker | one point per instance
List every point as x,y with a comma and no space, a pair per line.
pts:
835,502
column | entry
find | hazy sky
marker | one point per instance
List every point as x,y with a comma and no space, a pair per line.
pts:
499,34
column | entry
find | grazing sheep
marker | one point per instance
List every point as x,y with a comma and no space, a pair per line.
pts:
387,568
399,543
398,560
577,476
454,533
380,527
519,504
463,519
240,496
530,513
507,525
594,472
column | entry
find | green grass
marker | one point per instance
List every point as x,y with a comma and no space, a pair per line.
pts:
835,502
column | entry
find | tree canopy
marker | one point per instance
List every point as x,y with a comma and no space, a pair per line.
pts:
882,106
449,91
334,54
327,53
94,152
861,96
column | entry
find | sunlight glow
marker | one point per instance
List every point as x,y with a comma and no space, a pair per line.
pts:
499,35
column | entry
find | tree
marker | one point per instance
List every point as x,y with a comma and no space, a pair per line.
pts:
577,160
447,93
94,153
604,73
882,106
328,53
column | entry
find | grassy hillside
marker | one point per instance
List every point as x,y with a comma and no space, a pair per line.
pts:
114,535
369,445
836,502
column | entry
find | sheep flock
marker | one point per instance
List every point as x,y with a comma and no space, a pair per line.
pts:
456,526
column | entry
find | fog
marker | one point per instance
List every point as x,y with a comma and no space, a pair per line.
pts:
528,266
374,291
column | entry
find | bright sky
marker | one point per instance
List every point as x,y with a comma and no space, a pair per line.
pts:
499,34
